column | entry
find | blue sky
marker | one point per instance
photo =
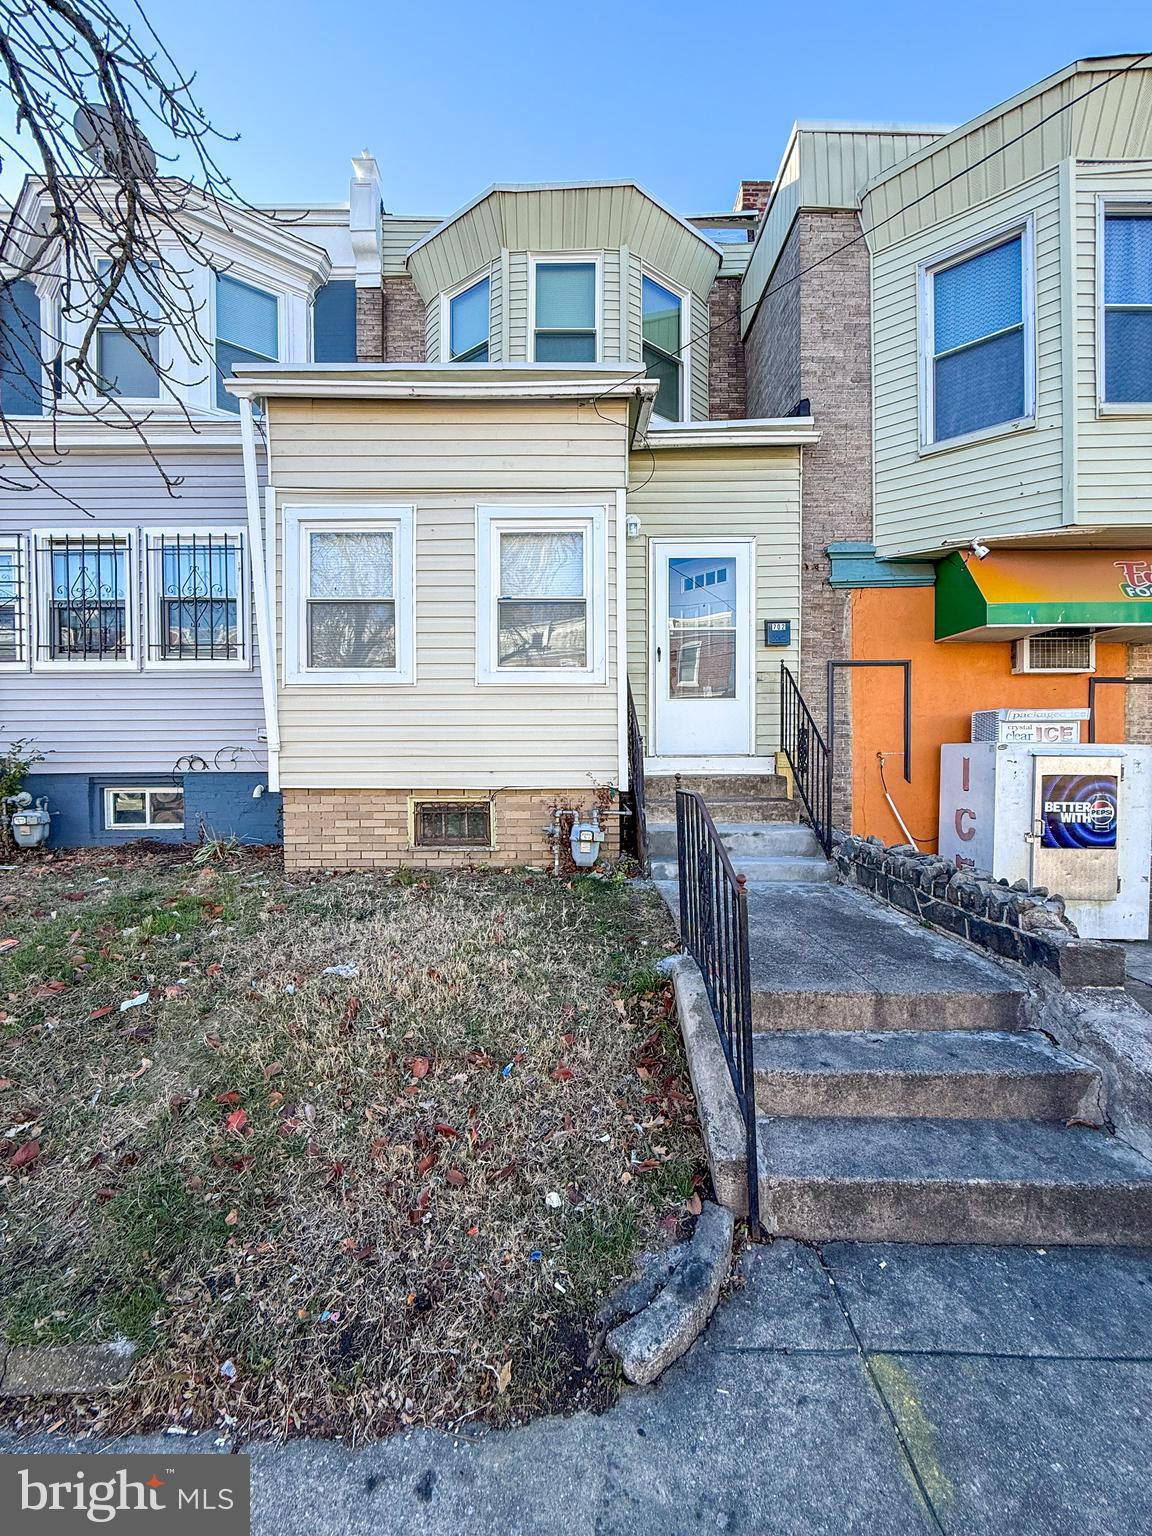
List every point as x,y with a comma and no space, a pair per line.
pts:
685,98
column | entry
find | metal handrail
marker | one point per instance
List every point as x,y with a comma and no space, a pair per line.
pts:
808,754
637,833
714,931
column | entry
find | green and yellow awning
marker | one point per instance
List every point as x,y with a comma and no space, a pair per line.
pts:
1013,592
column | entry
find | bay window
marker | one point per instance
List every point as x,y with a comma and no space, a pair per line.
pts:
978,339
247,331
1126,329
469,322
663,339
565,306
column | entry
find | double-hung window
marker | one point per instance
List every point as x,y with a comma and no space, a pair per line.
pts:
978,339
348,586
564,311
247,331
85,589
128,338
1126,372
540,594
197,599
469,323
663,341
13,602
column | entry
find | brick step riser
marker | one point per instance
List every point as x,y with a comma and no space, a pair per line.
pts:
912,1211
1056,1096
886,1011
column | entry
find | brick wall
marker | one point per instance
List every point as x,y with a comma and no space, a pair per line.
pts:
811,340
727,385
368,829
1138,701
403,321
752,196
369,325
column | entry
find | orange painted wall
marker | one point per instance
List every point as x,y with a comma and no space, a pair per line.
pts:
949,680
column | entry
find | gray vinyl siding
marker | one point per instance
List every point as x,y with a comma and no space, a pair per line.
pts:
100,721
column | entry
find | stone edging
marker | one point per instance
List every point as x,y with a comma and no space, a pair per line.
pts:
1018,922
59,1370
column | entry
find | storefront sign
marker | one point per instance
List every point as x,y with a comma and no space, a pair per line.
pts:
1136,577
1079,811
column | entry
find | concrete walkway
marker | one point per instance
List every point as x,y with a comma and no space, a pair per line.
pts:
857,1389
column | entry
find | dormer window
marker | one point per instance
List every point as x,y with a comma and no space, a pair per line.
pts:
565,310
470,323
663,339
247,331
128,352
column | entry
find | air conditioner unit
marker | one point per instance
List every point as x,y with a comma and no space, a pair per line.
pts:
1055,650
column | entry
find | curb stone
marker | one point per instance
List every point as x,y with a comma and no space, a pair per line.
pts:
59,1370
648,1343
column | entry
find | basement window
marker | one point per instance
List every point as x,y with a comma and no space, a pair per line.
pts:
453,824
144,809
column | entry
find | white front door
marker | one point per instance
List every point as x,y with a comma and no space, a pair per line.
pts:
701,647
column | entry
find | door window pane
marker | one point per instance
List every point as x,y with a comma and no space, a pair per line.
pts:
701,628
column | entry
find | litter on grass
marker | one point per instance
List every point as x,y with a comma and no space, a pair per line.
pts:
349,972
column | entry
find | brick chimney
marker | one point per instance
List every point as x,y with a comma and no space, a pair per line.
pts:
752,197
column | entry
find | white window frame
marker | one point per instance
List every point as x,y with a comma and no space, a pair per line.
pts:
164,363
446,299
17,543
566,258
147,790
491,522
154,596
250,279
685,354
1120,203
299,521
41,607
1025,230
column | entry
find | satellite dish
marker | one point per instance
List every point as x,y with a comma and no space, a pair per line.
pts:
96,133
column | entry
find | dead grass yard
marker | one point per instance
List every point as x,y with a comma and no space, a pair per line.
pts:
324,1203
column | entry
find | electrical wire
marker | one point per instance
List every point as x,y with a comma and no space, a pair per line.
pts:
933,191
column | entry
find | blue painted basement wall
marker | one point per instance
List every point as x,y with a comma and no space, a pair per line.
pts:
220,803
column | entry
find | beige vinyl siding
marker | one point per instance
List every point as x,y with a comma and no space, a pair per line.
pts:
445,731
735,493
822,168
1114,453
1013,143
999,485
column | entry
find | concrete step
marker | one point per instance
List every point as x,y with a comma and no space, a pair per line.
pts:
662,808
768,869
950,1181
932,1074
743,837
719,786
845,1007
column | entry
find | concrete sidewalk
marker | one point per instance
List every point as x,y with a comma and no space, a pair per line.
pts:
870,1389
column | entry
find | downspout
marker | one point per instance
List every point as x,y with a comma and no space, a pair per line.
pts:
622,640
265,634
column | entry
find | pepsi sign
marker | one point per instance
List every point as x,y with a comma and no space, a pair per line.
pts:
1078,810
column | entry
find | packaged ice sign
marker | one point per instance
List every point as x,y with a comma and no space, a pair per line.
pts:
1078,811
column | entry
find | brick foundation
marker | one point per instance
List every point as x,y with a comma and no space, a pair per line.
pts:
369,829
